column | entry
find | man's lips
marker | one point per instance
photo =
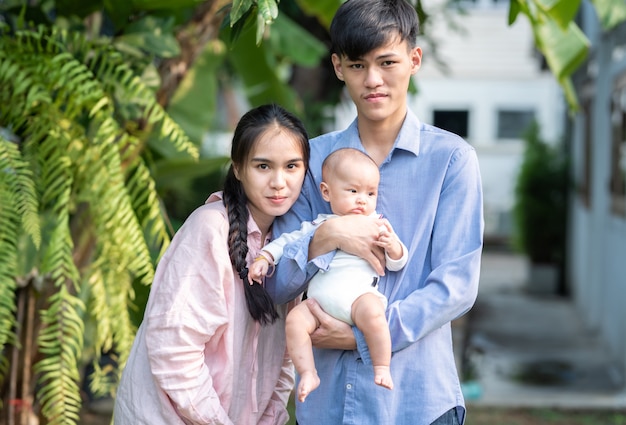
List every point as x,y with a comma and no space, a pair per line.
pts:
374,96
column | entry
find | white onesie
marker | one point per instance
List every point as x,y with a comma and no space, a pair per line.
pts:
347,278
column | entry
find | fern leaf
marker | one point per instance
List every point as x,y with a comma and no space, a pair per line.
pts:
62,335
9,227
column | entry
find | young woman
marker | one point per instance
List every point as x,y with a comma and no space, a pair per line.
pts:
211,348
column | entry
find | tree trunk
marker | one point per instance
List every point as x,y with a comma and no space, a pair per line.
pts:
193,37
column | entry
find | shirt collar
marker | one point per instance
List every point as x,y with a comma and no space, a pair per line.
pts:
408,138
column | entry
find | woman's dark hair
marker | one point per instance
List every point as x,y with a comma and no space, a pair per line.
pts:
360,26
249,129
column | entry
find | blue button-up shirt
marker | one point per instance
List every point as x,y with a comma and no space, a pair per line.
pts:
430,191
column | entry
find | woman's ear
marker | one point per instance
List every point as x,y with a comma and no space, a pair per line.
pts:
236,172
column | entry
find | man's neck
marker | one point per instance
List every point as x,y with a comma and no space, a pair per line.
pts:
378,137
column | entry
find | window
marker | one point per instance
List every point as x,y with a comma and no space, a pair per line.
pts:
513,123
454,120
618,150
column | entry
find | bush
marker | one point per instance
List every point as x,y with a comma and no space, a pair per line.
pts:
540,208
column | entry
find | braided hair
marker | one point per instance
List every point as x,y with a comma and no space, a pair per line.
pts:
249,129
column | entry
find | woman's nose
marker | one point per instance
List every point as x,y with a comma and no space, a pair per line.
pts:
278,179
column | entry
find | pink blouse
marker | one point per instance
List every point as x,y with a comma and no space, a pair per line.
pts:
198,357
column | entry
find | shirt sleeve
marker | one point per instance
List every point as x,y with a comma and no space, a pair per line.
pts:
451,286
277,246
395,265
294,269
188,310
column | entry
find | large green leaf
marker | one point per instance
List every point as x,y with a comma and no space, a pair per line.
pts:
514,10
153,35
562,11
239,9
290,40
163,4
610,12
564,50
323,10
256,67
194,103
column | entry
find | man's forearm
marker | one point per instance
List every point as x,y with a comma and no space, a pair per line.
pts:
322,241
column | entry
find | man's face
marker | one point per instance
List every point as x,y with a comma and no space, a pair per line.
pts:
378,81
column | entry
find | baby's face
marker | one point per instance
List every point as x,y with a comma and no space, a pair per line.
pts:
352,190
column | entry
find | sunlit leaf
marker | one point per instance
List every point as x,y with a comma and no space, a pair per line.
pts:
562,11
610,12
323,10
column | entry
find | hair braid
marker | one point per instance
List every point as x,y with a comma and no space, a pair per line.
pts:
260,305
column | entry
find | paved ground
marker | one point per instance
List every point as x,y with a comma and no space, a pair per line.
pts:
527,350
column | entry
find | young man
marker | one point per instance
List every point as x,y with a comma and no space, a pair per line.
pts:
430,189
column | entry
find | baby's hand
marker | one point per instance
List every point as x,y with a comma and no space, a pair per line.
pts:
389,241
257,270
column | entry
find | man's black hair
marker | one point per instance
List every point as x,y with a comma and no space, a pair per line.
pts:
360,26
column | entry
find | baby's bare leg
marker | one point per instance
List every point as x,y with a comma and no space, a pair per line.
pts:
368,314
300,324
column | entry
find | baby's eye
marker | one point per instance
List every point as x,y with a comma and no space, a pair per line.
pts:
263,166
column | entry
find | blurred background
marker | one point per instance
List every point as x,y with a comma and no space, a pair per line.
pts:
115,123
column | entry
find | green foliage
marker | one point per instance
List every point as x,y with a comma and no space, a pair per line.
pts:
540,208
559,38
74,183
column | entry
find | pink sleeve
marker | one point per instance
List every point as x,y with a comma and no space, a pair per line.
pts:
187,311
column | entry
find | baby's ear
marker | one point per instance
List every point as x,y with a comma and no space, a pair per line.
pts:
324,190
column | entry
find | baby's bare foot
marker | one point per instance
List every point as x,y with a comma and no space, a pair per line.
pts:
382,377
308,382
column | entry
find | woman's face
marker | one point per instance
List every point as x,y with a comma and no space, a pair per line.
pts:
272,176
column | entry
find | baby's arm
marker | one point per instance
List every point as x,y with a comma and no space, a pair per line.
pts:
258,269
389,241
395,252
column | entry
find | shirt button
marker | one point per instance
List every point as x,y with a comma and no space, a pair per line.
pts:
349,386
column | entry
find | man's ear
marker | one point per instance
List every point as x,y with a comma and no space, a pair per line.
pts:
416,59
337,66
324,190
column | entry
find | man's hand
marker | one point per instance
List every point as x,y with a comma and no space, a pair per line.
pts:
331,333
354,234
